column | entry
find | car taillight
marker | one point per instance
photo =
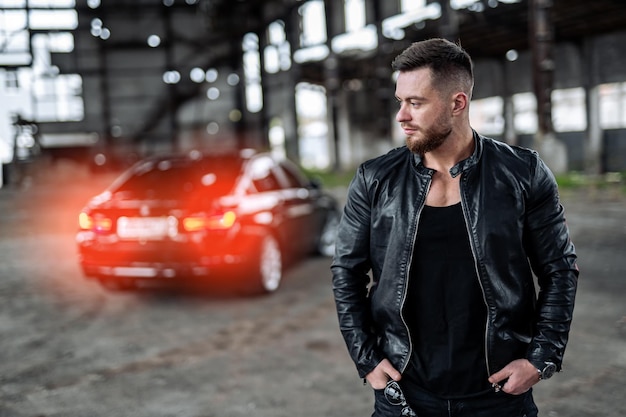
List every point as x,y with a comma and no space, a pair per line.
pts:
95,223
216,222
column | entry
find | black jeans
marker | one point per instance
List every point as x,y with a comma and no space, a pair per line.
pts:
492,404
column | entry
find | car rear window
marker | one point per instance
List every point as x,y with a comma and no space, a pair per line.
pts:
180,178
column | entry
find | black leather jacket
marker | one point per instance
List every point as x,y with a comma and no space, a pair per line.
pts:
516,227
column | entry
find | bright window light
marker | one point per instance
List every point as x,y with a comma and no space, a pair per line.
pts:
52,4
408,5
53,19
313,139
569,111
393,27
525,109
313,23
487,115
313,53
355,15
612,102
364,39
277,54
252,73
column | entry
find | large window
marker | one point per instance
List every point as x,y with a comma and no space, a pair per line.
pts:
30,31
569,111
612,99
312,126
11,82
525,119
410,5
252,72
355,15
358,36
14,36
312,32
412,13
277,54
487,115
58,97
313,23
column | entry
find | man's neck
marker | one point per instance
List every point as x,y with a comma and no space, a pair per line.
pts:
451,152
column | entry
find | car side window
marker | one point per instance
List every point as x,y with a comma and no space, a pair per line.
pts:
263,178
293,180
266,183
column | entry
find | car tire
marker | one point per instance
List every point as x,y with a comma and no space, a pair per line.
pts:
328,235
268,268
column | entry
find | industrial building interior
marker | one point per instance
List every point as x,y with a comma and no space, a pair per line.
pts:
109,81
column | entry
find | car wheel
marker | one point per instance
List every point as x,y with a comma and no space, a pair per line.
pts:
269,265
328,235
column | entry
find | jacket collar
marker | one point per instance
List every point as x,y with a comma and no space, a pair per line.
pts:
462,165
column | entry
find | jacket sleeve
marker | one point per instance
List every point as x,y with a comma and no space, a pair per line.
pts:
350,269
553,259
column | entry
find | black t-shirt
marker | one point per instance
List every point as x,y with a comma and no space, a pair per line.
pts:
445,309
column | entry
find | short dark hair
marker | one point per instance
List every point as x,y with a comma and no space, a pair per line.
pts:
448,61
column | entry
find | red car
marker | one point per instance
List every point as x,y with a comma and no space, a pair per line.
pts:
237,217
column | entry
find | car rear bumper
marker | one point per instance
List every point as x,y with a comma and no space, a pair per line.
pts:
203,267
158,260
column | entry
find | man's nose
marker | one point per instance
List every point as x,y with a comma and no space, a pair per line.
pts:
402,115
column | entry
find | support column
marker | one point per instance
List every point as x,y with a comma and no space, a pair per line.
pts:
552,150
172,90
334,25
508,107
264,113
543,63
290,115
593,145
510,136
105,97
331,83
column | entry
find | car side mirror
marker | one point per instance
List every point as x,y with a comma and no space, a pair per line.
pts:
315,183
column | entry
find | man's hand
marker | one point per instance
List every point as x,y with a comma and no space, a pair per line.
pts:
384,371
520,375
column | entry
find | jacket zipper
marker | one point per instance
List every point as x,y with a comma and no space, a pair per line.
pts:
482,288
406,281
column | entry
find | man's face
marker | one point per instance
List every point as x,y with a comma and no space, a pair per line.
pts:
424,115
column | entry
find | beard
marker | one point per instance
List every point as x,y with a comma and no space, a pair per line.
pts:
431,138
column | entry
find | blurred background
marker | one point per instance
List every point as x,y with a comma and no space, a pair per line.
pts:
100,84
88,87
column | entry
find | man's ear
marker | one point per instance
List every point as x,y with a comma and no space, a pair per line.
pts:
460,102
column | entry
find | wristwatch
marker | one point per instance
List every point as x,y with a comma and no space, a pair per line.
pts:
548,370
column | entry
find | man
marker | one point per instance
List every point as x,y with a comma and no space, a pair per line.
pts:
451,228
